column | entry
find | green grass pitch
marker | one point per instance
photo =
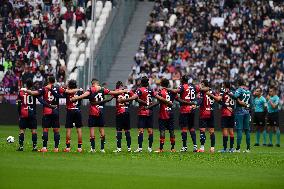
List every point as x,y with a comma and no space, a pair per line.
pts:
262,168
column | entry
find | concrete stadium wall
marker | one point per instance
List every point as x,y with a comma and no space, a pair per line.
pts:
9,116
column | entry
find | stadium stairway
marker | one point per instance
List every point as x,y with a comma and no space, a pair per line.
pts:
124,59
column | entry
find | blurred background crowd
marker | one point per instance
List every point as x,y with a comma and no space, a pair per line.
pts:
215,40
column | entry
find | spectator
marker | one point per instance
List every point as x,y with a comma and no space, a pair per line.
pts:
3,100
50,71
38,78
79,17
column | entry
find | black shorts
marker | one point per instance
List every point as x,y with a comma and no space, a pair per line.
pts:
206,122
145,121
28,123
96,121
73,118
259,119
123,121
50,121
273,119
228,122
186,120
166,124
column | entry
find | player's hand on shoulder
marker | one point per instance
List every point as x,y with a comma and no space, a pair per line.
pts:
53,106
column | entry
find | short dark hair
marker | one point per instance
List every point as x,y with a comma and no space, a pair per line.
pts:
94,80
259,88
165,82
227,84
241,81
29,83
51,79
72,84
119,84
184,79
205,82
144,81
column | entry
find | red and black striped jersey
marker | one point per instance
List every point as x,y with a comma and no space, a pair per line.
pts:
206,104
145,94
122,107
187,92
226,101
27,104
97,96
50,98
165,111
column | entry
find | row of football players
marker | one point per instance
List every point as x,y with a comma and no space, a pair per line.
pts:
235,106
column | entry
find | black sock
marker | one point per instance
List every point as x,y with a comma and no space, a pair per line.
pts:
212,138
103,140
34,139
21,139
173,142
151,138
238,147
225,141
92,141
162,141
193,137
202,137
184,138
44,139
128,138
56,139
140,140
79,145
68,144
118,139
232,139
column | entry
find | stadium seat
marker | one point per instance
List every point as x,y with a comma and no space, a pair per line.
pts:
99,4
73,75
82,47
70,65
80,63
108,4
82,57
89,23
88,51
88,32
79,30
53,63
71,30
63,10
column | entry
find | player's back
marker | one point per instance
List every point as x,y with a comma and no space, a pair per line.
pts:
206,104
243,95
187,93
48,96
165,110
97,94
145,94
73,105
227,102
28,104
122,107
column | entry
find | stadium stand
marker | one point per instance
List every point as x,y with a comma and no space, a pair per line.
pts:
39,38
215,40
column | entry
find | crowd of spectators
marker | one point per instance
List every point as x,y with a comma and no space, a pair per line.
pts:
182,38
31,38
